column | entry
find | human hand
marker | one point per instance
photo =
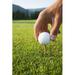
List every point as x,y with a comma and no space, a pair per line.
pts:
53,15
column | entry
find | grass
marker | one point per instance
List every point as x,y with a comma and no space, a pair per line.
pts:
28,55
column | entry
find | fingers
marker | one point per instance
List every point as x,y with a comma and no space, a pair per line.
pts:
56,24
40,24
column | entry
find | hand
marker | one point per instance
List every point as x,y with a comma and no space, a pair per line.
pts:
53,15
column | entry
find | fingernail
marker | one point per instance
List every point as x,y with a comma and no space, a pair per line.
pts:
52,37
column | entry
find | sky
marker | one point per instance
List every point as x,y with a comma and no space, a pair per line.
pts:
33,3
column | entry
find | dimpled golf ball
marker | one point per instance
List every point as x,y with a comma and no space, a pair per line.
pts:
44,38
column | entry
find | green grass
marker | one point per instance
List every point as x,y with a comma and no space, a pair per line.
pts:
28,55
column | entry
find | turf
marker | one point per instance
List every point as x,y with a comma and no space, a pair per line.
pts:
29,57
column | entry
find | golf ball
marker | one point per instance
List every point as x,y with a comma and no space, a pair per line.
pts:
44,38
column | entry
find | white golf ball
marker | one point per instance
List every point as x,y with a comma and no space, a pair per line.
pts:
44,38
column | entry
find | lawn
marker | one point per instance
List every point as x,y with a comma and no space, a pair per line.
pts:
28,55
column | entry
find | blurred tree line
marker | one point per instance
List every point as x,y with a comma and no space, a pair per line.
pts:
25,15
